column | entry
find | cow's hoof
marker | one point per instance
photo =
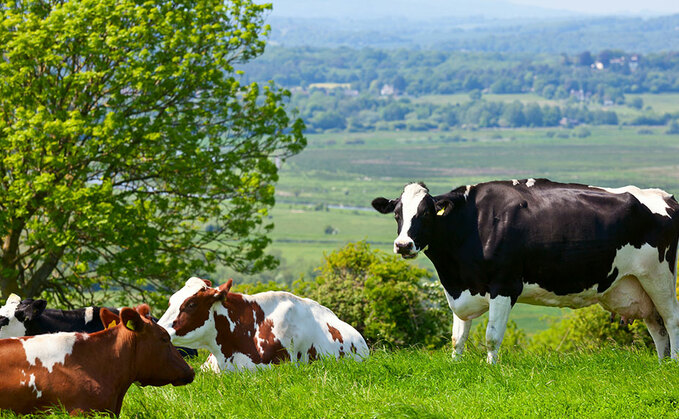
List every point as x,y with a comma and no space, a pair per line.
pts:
456,357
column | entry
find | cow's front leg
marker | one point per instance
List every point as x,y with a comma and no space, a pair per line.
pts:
498,315
460,334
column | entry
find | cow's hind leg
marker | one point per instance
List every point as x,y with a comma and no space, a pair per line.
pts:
498,316
656,327
664,296
460,334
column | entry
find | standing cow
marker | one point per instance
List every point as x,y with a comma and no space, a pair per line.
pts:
89,372
539,242
247,331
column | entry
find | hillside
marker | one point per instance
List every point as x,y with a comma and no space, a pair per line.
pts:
548,34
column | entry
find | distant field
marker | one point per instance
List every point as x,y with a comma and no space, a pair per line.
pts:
336,170
666,102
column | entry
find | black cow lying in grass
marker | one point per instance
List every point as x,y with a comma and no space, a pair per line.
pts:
30,317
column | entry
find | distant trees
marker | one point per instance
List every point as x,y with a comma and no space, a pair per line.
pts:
578,81
364,113
417,72
585,59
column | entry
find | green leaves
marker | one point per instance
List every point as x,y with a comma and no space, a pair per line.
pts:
124,133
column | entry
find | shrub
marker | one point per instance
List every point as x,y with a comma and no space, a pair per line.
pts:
582,132
385,298
591,328
673,127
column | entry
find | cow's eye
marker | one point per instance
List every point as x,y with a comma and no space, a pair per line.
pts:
191,305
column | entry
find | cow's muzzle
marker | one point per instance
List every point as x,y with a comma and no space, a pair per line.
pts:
406,250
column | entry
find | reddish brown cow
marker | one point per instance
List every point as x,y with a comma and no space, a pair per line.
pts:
89,372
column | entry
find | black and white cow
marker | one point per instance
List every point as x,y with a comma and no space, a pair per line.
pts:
30,317
539,242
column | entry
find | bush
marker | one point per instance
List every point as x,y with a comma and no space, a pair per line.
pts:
582,132
385,298
673,128
590,328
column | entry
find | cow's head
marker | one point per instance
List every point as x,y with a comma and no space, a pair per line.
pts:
189,319
29,309
156,361
415,212
10,325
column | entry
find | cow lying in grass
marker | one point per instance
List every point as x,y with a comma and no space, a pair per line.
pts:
89,372
30,317
247,331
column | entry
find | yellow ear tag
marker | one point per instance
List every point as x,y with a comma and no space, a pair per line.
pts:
441,211
130,325
112,324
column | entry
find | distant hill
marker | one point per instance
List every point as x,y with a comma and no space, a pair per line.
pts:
419,9
470,33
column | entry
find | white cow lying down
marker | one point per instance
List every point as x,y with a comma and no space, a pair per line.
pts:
246,331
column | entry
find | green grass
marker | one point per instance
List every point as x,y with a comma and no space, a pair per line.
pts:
417,384
666,102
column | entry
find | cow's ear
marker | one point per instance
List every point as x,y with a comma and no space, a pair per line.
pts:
207,282
224,289
131,319
38,307
108,318
444,206
384,205
144,310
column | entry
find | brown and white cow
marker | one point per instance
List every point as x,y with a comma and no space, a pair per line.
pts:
89,372
247,331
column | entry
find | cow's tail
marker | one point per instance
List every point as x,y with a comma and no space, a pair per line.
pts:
672,203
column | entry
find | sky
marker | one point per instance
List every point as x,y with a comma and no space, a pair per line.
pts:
607,6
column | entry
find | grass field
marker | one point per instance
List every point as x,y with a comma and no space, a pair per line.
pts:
420,384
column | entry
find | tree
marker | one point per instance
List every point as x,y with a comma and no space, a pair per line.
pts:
395,111
513,114
125,130
673,127
636,103
328,120
585,59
